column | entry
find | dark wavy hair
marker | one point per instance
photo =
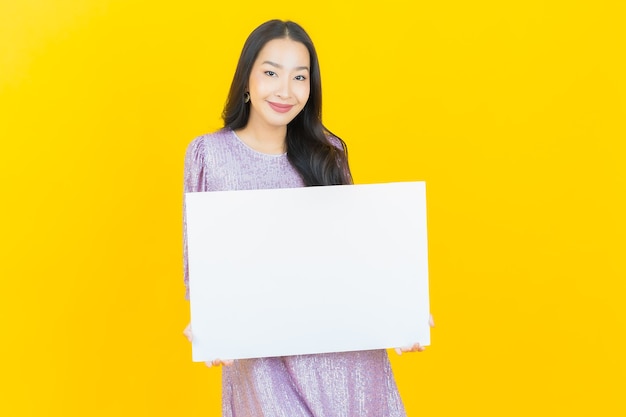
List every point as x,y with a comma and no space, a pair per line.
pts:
309,147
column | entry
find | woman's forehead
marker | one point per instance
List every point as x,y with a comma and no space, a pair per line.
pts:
284,53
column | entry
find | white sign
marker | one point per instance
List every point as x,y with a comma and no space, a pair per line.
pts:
307,270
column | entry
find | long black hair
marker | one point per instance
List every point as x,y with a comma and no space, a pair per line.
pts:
309,147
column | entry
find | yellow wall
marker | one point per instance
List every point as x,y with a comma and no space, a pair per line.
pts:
513,112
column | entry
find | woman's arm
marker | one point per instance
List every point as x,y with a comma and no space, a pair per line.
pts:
194,181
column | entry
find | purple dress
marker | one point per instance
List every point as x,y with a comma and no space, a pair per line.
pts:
347,384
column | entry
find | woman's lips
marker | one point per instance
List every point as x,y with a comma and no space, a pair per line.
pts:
280,108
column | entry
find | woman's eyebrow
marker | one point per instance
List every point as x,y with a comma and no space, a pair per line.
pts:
274,64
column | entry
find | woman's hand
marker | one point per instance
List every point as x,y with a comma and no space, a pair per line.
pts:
217,362
416,347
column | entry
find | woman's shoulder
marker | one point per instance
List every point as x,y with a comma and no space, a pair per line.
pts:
207,141
335,141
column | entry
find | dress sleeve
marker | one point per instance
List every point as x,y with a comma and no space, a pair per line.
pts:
194,181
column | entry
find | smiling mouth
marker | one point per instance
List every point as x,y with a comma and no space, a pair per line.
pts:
280,108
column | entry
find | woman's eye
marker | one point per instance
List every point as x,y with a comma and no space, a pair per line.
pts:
300,77
270,73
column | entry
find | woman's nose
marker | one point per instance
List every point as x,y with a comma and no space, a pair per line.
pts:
284,89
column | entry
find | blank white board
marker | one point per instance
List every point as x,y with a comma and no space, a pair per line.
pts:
307,270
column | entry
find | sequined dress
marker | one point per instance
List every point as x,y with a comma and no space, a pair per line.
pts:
347,384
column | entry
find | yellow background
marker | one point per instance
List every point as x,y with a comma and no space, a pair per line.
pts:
513,112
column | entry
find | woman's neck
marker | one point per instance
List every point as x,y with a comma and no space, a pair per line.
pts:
265,139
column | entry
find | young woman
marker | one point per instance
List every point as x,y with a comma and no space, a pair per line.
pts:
273,137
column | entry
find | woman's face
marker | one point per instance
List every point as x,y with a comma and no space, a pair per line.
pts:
279,83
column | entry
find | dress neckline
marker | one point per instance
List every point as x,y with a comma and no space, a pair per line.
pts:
245,145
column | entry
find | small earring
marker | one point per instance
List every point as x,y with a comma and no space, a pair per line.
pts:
246,97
